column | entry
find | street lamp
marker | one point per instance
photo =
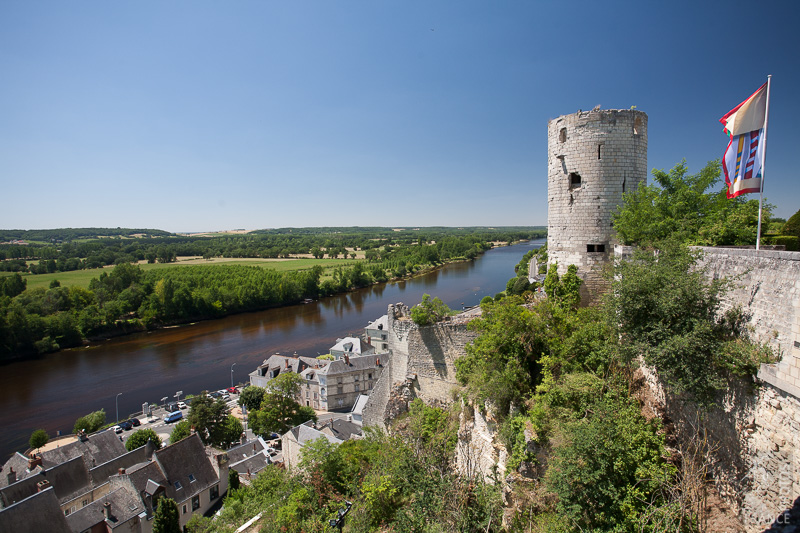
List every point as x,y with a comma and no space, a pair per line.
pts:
233,365
116,403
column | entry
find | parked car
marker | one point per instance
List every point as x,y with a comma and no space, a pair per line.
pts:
181,405
127,425
233,390
173,417
117,429
135,422
215,394
225,396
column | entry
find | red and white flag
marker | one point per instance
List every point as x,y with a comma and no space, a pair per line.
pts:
744,155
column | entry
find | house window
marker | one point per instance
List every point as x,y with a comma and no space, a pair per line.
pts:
339,390
315,395
191,478
178,485
562,135
357,377
596,248
383,337
385,346
184,508
84,503
308,394
369,376
357,389
574,180
370,385
214,492
195,503
338,380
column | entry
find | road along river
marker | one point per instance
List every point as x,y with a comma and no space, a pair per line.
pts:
52,391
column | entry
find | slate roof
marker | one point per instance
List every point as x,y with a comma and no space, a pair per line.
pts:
252,465
130,459
182,459
382,323
125,506
353,346
23,488
357,363
38,512
341,429
19,463
248,449
303,434
98,448
296,364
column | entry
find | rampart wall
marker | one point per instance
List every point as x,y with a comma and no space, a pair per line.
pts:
754,433
422,359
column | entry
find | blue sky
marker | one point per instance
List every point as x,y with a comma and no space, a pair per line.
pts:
199,116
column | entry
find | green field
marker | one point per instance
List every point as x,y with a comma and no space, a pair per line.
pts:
82,278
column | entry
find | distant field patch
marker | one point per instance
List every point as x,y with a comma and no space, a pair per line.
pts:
82,278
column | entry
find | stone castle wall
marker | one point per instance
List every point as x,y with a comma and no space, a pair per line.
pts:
593,158
422,357
755,431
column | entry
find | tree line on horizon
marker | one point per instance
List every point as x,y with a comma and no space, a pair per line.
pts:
129,299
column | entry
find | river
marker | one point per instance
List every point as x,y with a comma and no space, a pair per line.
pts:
53,391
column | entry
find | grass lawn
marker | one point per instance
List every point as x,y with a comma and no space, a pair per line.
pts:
82,278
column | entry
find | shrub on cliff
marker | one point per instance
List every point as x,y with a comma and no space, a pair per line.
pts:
429,311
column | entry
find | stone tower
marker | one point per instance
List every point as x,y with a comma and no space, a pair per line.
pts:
593,157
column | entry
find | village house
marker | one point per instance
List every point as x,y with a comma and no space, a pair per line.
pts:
351,346
275,364
377,334
94,484
341,382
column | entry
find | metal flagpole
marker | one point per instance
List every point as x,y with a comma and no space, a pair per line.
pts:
763,160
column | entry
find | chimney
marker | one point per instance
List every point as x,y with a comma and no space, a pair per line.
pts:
82,435
121,471
12,476
254,448
34,461
287,363
378,361
107,510
43,485
346,359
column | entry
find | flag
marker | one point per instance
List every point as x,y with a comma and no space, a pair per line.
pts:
744,124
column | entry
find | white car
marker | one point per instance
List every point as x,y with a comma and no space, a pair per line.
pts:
181,405
117,429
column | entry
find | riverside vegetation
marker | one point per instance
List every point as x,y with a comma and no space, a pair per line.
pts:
129,298
560,381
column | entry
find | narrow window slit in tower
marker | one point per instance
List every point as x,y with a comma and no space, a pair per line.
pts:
599,151
574,180
623,184
562,135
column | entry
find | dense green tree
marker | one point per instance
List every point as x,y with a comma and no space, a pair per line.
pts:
686,208
280,410
233,480
429,311
38,439
140,437
181,430
91,422
792,226
166,518
251,397
209,417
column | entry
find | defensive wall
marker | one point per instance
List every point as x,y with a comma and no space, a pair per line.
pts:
754,432
421,364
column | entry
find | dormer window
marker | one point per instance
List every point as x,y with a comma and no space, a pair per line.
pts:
191,478
178,485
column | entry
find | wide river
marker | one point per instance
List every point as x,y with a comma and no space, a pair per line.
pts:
53,391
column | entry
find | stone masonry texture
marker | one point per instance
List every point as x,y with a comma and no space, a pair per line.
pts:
606,151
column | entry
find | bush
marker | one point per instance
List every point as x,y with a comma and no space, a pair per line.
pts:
91,422
792,226
429,311
38,439
791,242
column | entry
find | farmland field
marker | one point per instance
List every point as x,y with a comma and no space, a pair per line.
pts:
82,278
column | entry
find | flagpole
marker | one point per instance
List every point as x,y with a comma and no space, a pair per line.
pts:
763,160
